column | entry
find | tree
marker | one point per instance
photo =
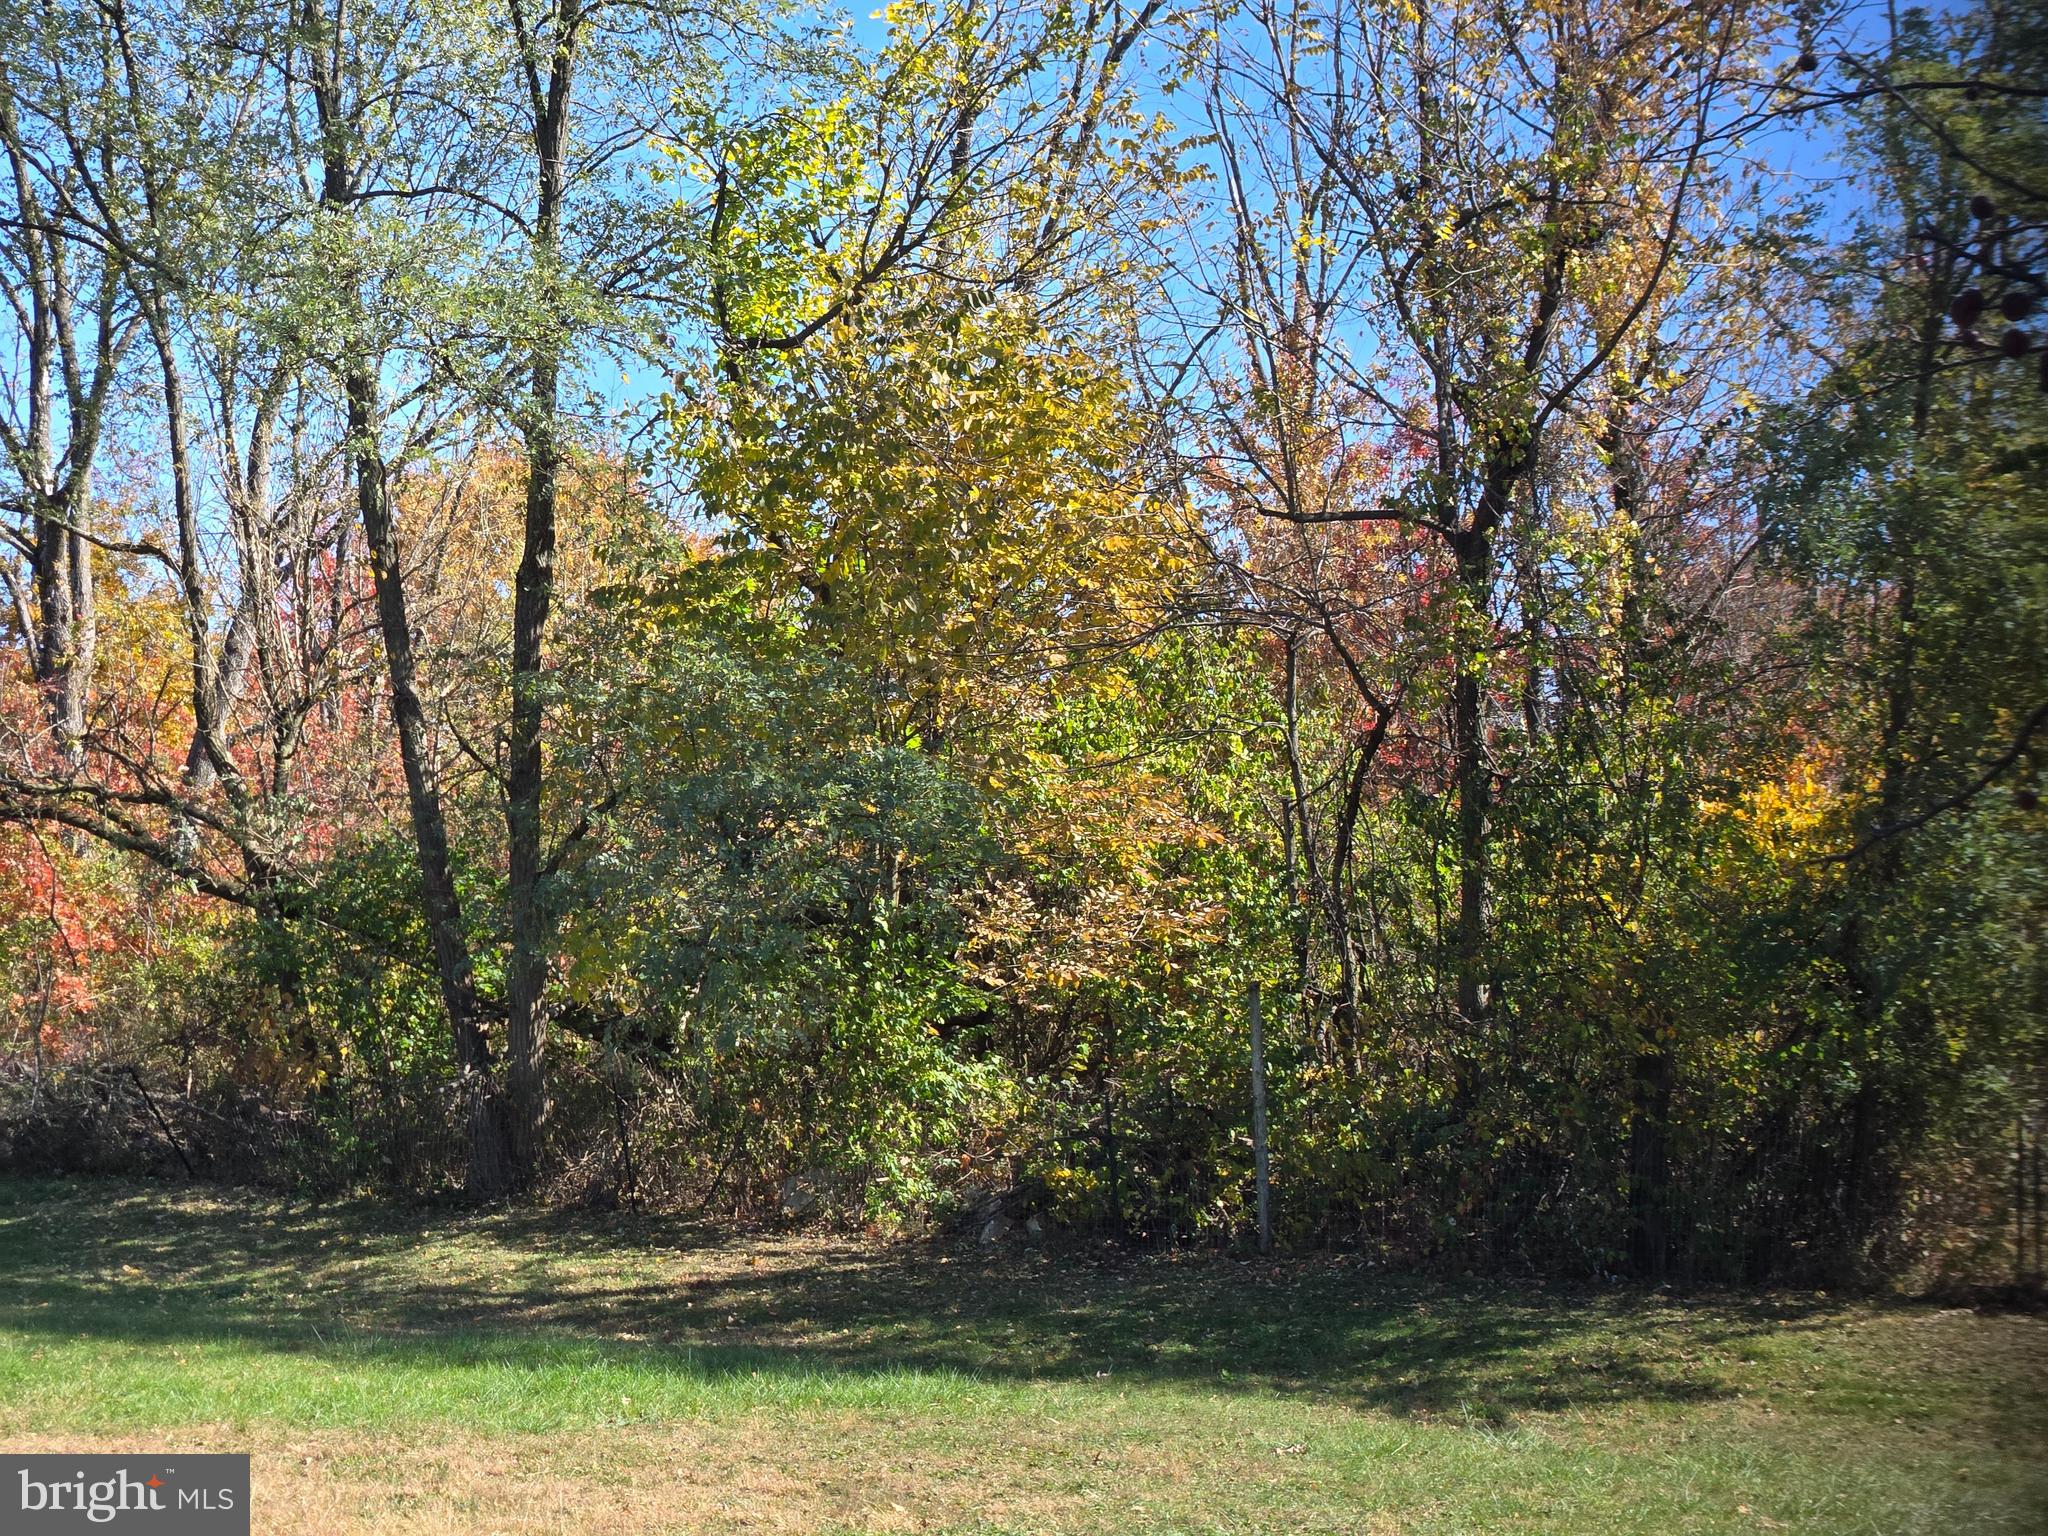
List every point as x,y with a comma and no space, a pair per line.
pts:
1899,497
73,322
1457,244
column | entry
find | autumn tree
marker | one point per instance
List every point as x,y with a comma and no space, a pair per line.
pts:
1903,497
1458,245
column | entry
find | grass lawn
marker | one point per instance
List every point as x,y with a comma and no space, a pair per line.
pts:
425,1372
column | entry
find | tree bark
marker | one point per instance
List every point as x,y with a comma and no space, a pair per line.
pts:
531,924
58,484
1471,774
490,1168
531,931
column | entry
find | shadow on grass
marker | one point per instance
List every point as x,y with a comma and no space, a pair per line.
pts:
140,1265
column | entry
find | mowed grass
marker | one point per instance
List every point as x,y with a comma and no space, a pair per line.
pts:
404,1371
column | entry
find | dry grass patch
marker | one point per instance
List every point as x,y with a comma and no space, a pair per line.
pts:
758,1473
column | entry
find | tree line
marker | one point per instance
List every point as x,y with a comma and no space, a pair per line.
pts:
735,605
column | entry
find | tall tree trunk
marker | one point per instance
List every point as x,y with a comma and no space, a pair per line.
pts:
58,482
490,1165
1509,456
490,1169
531,930
531,925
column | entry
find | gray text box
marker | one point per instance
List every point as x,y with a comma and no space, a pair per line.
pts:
149,1494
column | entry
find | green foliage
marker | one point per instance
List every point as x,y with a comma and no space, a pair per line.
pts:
775,912
1907,500
350,974
1561,621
